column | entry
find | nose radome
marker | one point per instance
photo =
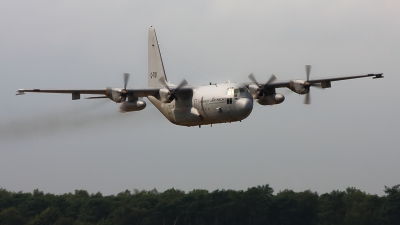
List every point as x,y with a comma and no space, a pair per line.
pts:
244,106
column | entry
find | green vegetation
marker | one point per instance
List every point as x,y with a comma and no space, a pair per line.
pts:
256,205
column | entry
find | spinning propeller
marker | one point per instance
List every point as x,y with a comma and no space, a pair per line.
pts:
307,85
171,94
110,91
123,91
260,88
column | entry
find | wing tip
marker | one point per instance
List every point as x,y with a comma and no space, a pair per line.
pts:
378,75
20,92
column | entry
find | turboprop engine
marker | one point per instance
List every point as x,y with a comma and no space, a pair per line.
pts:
255,91
165,96
271,99
299,86
133,106
303,87
263,94
116,94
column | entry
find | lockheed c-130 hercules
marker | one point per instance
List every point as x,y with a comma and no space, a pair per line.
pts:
188,105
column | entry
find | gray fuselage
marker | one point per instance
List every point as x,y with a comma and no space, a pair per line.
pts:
217,103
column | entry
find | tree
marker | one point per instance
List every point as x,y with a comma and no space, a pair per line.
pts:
5,199
195,207
11,216
170,206
74,202
257,200
122,213
219,203
95,208
296,208
332,208
46,217
391,208
255,206
354,200
142,206
64,221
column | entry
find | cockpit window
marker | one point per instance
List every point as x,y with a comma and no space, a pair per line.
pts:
236,92
229,91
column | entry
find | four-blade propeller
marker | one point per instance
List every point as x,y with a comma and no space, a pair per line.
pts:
172,94
261,89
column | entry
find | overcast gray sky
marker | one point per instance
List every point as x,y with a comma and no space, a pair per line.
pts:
348,136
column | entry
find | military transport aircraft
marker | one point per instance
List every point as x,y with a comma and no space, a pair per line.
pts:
188,105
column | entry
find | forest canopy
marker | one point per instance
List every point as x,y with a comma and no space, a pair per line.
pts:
256,205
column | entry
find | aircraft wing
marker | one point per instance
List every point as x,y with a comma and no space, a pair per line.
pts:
325,82
329,79
134,92
64,91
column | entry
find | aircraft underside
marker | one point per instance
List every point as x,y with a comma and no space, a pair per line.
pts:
204,105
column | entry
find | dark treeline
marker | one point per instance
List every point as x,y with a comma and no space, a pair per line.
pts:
256,205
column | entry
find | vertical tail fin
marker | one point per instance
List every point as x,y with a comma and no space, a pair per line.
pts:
156,66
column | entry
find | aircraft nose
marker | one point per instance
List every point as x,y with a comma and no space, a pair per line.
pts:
244,106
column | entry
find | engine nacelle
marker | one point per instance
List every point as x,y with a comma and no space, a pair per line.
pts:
271,99
165,95
133,106
114,94
298,86
255,92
